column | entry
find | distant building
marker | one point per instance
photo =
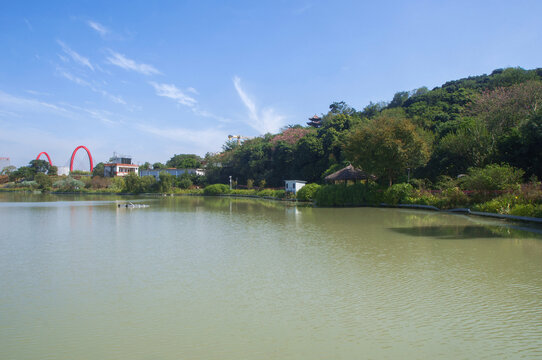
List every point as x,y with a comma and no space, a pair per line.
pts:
293,186
172,171
63,170
120,165
315,121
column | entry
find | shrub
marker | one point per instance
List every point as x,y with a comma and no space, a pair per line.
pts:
398,193
250,184
499,205
185,183
527,210
308,192
44,181
69,184
456,197
341,195
266,192
243,192
216,189
28,183
99,182
116,184
492,177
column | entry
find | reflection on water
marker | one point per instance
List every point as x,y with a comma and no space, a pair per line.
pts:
223,278
451,232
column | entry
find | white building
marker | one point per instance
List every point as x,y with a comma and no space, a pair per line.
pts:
120,165
63,170
172,171
293,186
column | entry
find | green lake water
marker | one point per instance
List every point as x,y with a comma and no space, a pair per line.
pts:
225,278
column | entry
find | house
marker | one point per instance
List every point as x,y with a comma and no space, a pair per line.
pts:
172,171
293,186
120,165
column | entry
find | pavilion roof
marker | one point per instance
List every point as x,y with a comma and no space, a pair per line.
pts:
350,173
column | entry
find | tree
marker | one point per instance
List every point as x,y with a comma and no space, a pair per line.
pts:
184,161
22,173
341,108
40,166
166,182
469,146
132,183
44,181
387,146
158,165
399,99
98,169
145,166
8,170
506,107
53,171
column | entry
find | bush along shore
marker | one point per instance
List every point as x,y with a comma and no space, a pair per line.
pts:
493,189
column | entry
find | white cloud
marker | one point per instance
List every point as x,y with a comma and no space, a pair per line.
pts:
172,92
197,141
129,64
30,105
265,121
17,105
79,81
75,56
99,28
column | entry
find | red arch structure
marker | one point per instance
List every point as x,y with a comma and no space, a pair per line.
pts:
48,158
89,157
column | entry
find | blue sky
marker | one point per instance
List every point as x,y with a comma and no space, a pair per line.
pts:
154,79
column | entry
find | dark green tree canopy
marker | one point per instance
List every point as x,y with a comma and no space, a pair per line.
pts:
184,161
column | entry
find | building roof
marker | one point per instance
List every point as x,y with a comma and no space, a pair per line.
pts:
350,173
119,164
299,181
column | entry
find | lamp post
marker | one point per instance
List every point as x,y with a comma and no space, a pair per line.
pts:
230,182
408,176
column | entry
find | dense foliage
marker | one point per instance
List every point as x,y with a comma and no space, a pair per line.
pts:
470,142
466,123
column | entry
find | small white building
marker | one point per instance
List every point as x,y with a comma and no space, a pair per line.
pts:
63,170
293,186
120,165
172,171
116,169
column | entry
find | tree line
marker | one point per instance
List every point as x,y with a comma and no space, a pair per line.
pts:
424,134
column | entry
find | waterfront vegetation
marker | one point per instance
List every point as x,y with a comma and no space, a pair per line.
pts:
473,142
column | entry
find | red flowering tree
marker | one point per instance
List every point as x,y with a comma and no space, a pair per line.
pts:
290,136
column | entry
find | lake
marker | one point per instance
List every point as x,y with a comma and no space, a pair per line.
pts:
226,278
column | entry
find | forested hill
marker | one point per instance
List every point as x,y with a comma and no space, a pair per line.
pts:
464,123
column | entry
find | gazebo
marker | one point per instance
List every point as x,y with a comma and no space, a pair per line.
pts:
349,173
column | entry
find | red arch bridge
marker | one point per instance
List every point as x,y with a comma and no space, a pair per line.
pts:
73,156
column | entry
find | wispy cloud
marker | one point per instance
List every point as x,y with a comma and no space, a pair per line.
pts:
99,28
75,56
264,121
28,24
128,64
303,9
172,92
79,81
198,141
16,103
